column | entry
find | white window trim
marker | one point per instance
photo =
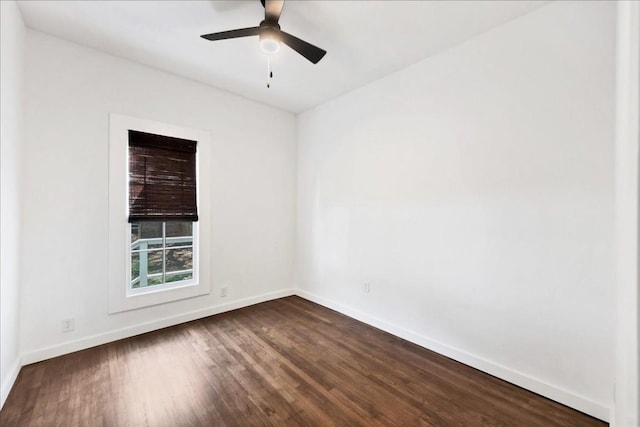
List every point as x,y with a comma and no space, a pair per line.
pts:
121,297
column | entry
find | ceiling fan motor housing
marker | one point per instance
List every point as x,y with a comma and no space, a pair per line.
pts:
269,37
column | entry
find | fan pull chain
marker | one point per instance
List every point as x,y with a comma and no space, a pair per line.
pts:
269,71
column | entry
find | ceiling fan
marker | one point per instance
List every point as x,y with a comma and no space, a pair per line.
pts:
271,35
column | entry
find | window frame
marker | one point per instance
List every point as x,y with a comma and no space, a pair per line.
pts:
122,296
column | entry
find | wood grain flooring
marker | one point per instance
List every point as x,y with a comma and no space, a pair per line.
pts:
287,362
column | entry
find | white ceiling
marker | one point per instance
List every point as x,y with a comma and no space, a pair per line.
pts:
365,40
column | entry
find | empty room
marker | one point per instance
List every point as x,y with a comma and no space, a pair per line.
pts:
316,213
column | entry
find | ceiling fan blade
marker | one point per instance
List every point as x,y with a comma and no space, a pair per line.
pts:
232,34
272,10
309,51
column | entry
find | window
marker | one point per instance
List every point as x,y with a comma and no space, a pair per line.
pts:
159,213
161,253
162,210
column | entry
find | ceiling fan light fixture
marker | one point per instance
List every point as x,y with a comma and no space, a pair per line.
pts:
269,46
270,34
269,41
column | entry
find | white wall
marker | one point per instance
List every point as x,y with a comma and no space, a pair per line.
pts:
474,191
12,42
70,92
627,389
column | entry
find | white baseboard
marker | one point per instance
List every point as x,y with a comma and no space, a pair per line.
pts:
94,340
7,384
573,400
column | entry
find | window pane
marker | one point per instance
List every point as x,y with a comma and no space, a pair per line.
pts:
179,233
179,277
155,281
179,259
149,230
135,270
154,262
152,243
151,233
135,265
179,228
135,232
183,244
146,235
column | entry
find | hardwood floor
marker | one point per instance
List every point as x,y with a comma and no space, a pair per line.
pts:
280,363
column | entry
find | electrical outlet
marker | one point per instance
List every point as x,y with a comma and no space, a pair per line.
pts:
68,325
367,287
223,291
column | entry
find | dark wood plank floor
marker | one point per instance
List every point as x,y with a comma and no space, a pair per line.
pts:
280,363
